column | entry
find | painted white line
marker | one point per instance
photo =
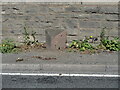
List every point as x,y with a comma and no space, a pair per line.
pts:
47,74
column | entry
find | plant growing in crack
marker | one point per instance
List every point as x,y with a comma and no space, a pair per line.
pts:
102,34
106,43
81,45
29,38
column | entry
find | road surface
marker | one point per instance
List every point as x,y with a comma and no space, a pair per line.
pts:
36,81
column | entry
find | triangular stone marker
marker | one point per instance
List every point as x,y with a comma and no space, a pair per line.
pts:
56,38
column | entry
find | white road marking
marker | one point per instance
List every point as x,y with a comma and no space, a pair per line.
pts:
47,74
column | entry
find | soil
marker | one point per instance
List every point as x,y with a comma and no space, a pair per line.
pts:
25,48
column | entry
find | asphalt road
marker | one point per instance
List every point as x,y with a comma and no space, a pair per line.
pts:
58,82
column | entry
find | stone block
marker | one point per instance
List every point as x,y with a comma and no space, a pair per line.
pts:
112,17
87,32
110,9
113,32
91,9
7,17
31,9
73,8
39,31
56,9
15,27
71,23
41,9
39,17
56,38
109,24
13,8
89,24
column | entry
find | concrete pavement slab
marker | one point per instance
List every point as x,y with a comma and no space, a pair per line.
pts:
65,62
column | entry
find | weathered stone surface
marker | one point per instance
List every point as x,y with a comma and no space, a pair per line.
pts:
78,20
12,26
92,8
38,31
23,17
31,9
110,9
109,24
16,38
38,17
71,23
41,38
70,38
112,17
89,16
100,9
72,8
13,8
114,32
56,9
6,17
89,24
64,15
36,9
87,32
56,39
33,24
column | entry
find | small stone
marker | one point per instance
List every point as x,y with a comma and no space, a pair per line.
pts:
14,79
19,59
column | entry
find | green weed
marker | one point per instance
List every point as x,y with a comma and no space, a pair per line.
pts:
29,38
8,46
81,45
106,43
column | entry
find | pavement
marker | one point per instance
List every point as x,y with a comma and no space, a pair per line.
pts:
48,61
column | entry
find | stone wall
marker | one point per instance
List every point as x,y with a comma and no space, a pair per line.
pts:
78,19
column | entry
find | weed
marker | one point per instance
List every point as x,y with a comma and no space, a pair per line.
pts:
102,34
29,38
81,45
106,43
112,45
8,46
